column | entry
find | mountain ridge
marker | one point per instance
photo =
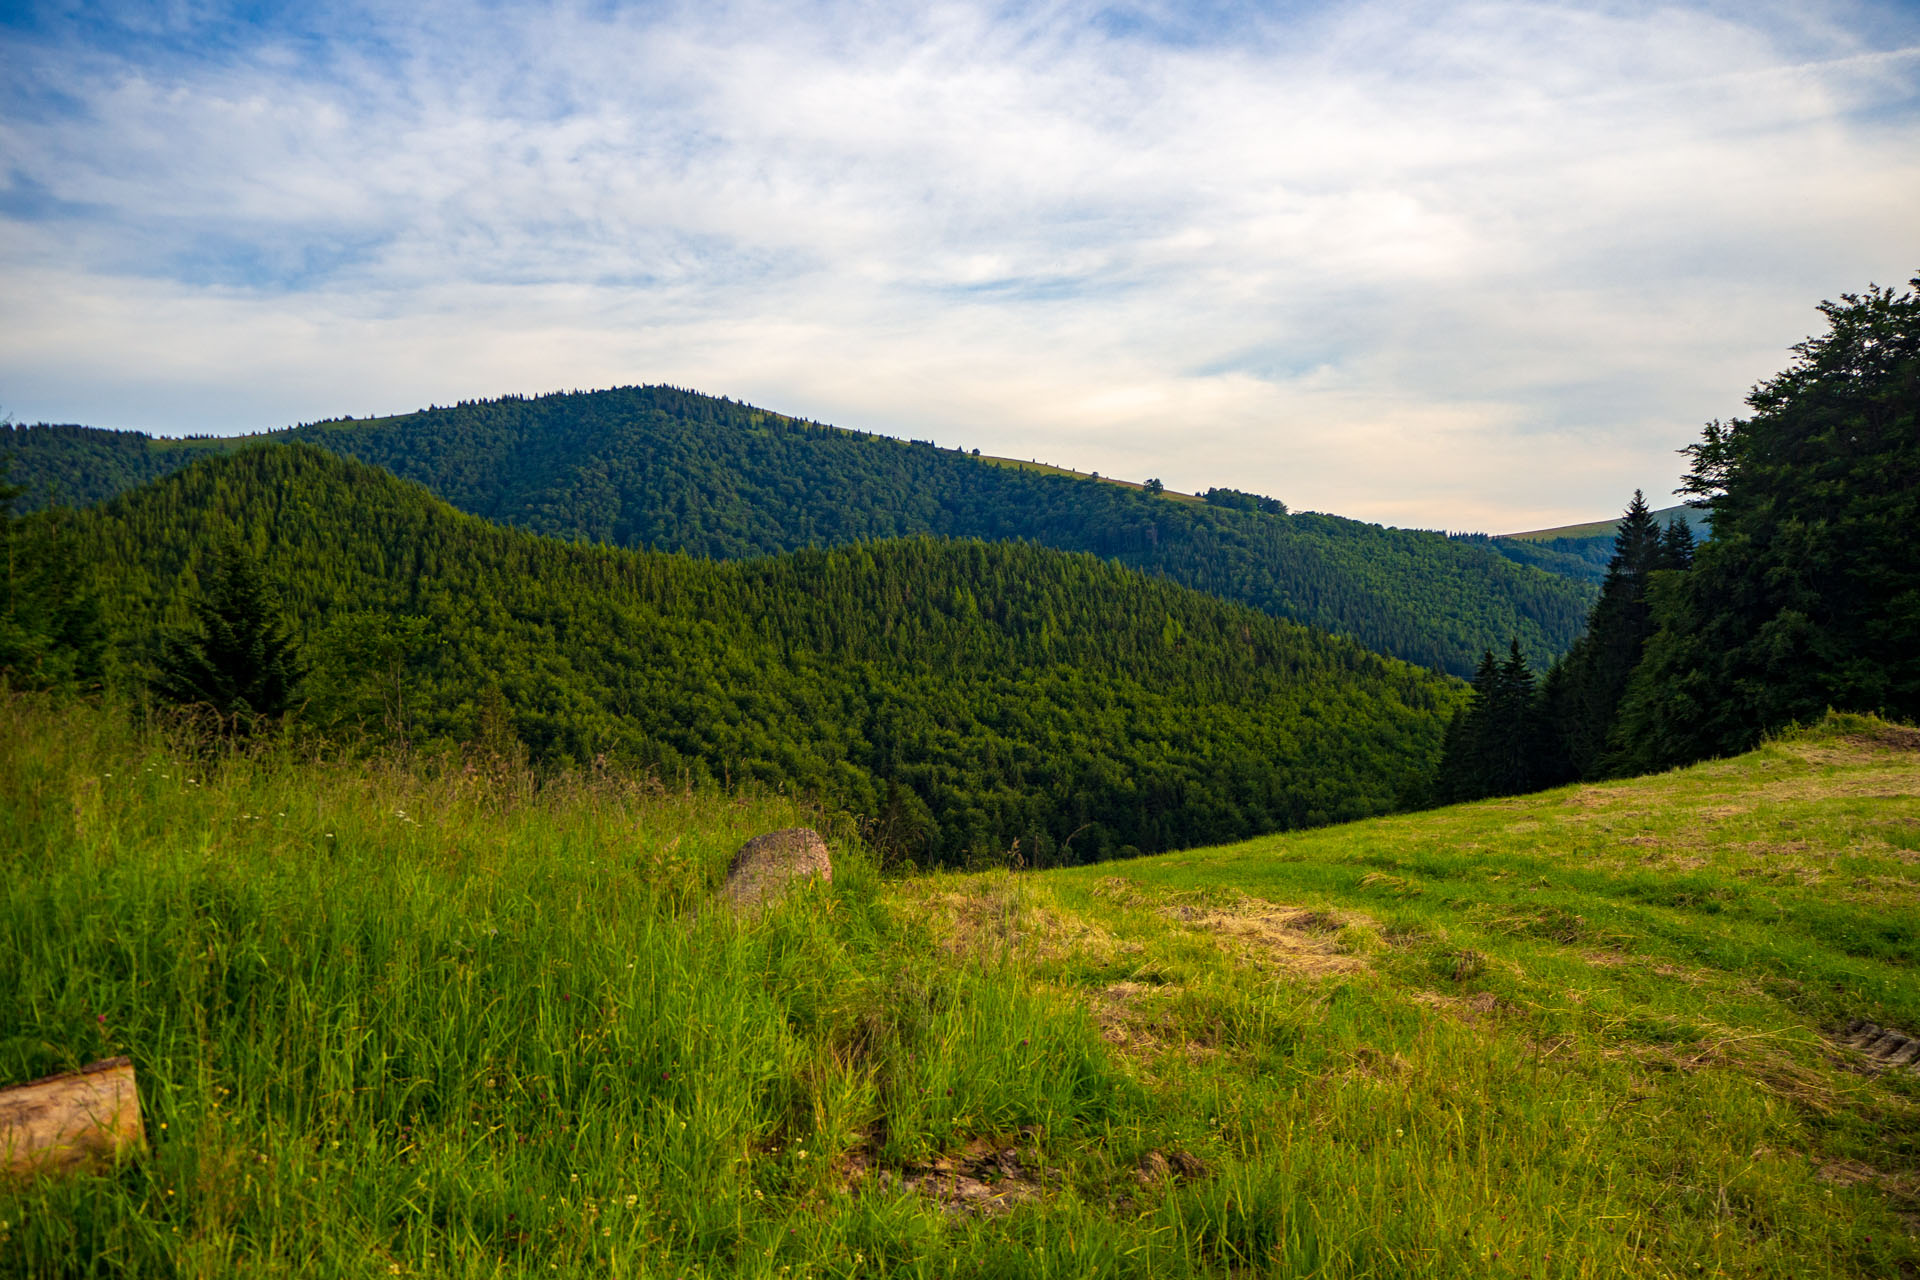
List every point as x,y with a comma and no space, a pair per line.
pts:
674,470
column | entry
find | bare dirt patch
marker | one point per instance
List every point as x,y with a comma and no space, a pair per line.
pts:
1761,1056
988,1177
1156,1168
1887,737
1133,1018
1879,1048
1670,861
1852,1173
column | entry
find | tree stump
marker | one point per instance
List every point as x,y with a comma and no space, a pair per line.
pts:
81,1119
767,867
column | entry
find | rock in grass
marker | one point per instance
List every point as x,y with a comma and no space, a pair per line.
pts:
768,867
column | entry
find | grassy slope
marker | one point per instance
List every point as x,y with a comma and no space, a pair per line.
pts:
393,1021
1606,528
1042,468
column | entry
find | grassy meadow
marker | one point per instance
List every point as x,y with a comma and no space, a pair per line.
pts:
434,1020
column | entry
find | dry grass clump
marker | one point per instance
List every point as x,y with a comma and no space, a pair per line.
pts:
1269,935
980,915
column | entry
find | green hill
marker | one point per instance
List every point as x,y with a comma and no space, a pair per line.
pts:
671,470
393,1018
965,698
1605,529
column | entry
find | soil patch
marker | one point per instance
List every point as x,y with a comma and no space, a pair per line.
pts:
1884,1049
986,1178
997,916
1887,737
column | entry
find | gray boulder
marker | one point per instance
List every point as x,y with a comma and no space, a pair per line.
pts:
769,866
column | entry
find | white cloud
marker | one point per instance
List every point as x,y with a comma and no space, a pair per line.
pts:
1448,265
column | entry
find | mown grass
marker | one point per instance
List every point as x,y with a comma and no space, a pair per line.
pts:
422,1021
1048,469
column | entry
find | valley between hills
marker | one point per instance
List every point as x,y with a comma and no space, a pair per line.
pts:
371,787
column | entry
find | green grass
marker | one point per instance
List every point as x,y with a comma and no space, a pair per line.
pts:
1047,469
421,1020
1607,528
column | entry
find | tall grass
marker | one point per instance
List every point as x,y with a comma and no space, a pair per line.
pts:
425,1020
422,1020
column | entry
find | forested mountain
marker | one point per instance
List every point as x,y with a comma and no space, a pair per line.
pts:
960,695
671,470
1580,559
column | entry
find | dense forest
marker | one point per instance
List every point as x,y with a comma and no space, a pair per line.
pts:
1805,598
968,700
669,470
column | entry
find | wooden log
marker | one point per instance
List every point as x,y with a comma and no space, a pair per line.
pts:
81,1119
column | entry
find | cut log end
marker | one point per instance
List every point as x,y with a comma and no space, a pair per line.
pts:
85,1119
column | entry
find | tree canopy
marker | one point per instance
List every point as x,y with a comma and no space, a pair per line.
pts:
958,696
1808,594
669,470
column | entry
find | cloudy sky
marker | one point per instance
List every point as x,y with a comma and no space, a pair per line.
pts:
1448,265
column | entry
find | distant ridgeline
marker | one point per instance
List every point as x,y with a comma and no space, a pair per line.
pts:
960,696
1582,551
671,470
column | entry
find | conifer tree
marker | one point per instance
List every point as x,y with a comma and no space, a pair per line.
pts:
1677,546
1494,746
1808,594
1584,692
1466,760
237,658
1515,729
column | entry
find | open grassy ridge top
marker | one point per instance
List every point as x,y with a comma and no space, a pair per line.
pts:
1695,516
396,1020
675,471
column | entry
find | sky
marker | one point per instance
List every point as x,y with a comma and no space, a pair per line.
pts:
1460,266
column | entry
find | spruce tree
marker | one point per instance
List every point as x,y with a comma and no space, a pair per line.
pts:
1677,546
1514,729
237,658
1467,758
1495,745
1585,691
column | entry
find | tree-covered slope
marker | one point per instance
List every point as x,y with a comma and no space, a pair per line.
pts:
671,470
959,695
58,464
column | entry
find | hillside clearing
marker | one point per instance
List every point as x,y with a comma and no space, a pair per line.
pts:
430,1020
